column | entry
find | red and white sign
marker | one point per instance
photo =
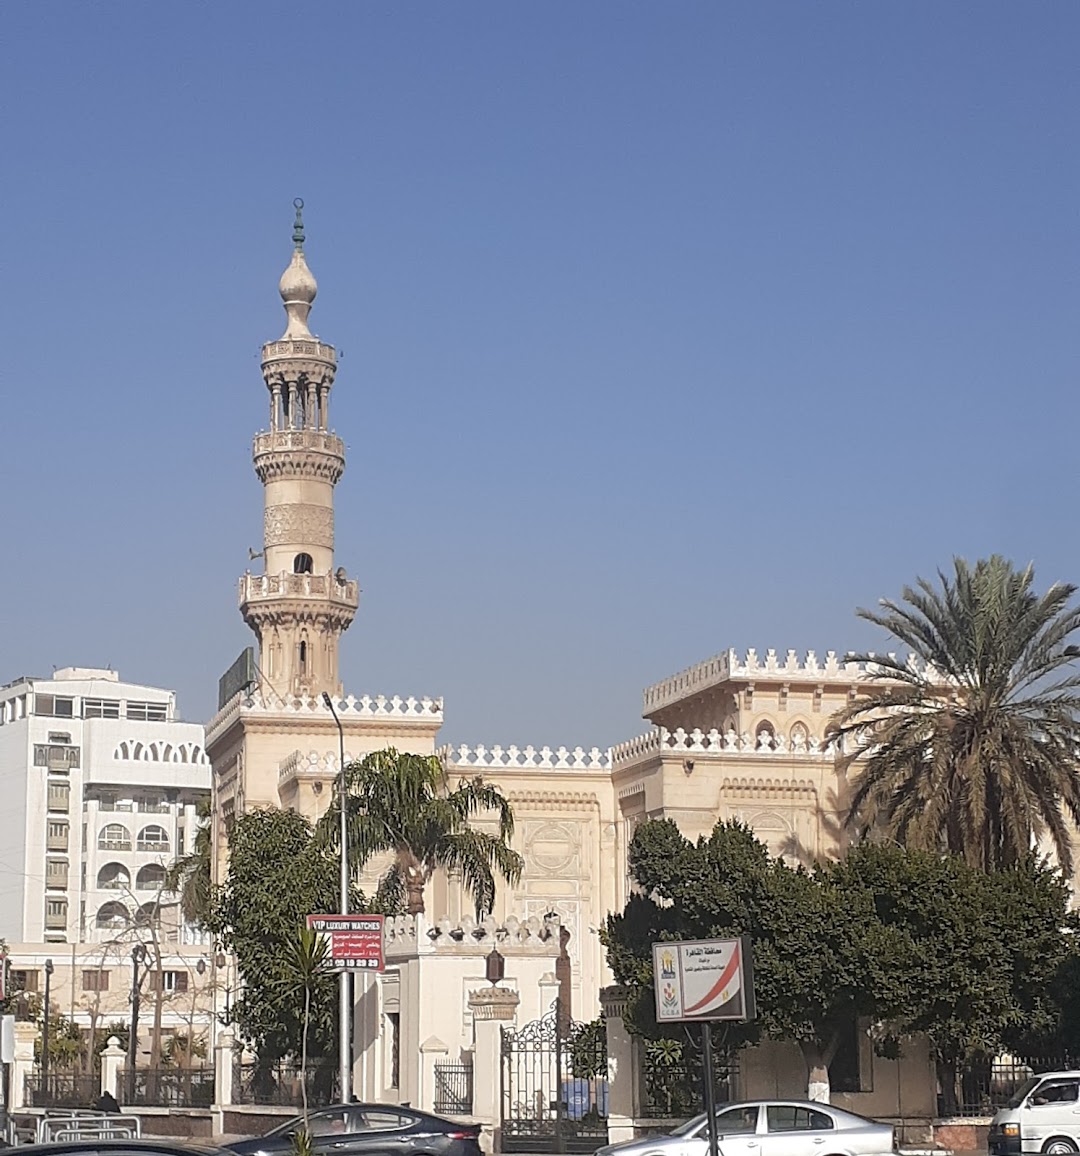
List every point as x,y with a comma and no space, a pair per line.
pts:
705,979
356,941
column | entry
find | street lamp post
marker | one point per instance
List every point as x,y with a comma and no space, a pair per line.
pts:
344,994
138,953
45,1033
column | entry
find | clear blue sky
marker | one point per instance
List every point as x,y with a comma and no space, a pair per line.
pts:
665,327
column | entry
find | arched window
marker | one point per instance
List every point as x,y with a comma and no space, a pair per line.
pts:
148,915
153,838
114,877
800,736
112,915
302,564
150,877
114,837
303,658
764,736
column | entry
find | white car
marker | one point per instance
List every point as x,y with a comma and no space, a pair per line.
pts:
770,1128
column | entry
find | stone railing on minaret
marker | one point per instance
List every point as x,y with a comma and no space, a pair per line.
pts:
301,604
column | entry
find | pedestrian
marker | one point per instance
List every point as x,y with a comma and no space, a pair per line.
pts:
106,1102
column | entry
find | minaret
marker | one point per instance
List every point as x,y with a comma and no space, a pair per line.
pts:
299,606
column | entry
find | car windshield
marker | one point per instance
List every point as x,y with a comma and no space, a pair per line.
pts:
690,1127
1021,1093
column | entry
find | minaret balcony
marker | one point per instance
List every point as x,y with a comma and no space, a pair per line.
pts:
298,453
326,588
308,354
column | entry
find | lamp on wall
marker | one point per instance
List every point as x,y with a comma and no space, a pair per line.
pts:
494,967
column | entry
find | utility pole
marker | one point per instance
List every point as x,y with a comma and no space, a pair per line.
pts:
45,1033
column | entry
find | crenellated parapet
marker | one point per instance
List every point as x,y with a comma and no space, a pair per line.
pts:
766,744
730,666
405,935
525,758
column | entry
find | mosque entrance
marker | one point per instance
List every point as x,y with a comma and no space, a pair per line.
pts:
554,1086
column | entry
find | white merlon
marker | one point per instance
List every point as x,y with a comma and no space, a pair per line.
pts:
765,743
406,933
526,758
729,665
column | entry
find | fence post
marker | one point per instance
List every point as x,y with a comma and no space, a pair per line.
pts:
112,1063
224,1058
493,1008
622,1071
432,1050
26,1035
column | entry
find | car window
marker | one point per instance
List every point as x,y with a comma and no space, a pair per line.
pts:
736,1120
1064,1092
329,1123
381,1120
792,1118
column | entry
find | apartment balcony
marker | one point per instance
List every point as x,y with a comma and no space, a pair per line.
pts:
54,841
56,920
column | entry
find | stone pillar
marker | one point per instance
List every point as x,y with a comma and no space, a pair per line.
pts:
113,1057
26,1036
432,1050
224,1055
622,1064
549,993
493,1008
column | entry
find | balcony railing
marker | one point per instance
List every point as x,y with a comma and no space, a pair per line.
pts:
153,845
454,1089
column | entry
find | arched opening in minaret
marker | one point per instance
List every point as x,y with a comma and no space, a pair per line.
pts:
302,564
303,658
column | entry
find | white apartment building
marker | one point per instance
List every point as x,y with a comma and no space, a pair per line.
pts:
99,785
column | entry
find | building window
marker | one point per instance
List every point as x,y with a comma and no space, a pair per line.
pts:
101,708
148,711
54,705
23,979
114,837
56,873
55,914
150,878
395,1048
845,1071
303,658
302,564
57,758
169,981
153,838
56,835
152,805
112,915
97,980
59,797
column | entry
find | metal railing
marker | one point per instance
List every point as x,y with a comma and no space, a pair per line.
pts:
167,1087
982,1085
454,1089
62,1090
280,1084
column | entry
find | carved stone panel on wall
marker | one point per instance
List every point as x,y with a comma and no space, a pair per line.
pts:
299,524
553,849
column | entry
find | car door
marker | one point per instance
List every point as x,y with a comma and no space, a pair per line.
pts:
737,1129
1052,1109
795,1130
331,1131
380,1130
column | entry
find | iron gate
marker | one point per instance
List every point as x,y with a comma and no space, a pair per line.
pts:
554,1086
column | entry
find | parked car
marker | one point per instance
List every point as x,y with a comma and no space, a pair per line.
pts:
368,1130
1042,1116
117,1148
770,1128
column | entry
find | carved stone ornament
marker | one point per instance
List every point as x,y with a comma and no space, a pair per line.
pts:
299,525
493,1003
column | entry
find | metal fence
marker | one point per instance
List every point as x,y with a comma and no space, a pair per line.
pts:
280,1084
454,1089
167,1087
982,1085
672,1081
62,1090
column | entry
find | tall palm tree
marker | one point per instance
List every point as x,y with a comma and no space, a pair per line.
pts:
973,748
403,804
305,965
190,875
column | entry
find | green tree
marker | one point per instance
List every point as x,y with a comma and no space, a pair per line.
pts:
306,969
278,875
402,804
191,877
821,957
971,750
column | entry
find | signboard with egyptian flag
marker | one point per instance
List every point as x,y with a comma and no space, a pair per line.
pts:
704,979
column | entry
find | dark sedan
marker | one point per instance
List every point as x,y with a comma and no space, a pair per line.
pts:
368,1130
117,1148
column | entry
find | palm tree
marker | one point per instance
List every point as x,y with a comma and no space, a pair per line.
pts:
403,804
306,962
190,875
972,748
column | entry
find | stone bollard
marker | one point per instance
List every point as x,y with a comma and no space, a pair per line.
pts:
622,1066
113,1058
224,1057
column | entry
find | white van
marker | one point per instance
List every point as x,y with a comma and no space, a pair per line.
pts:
1042,1116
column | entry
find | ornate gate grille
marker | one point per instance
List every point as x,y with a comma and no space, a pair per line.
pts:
554,1086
